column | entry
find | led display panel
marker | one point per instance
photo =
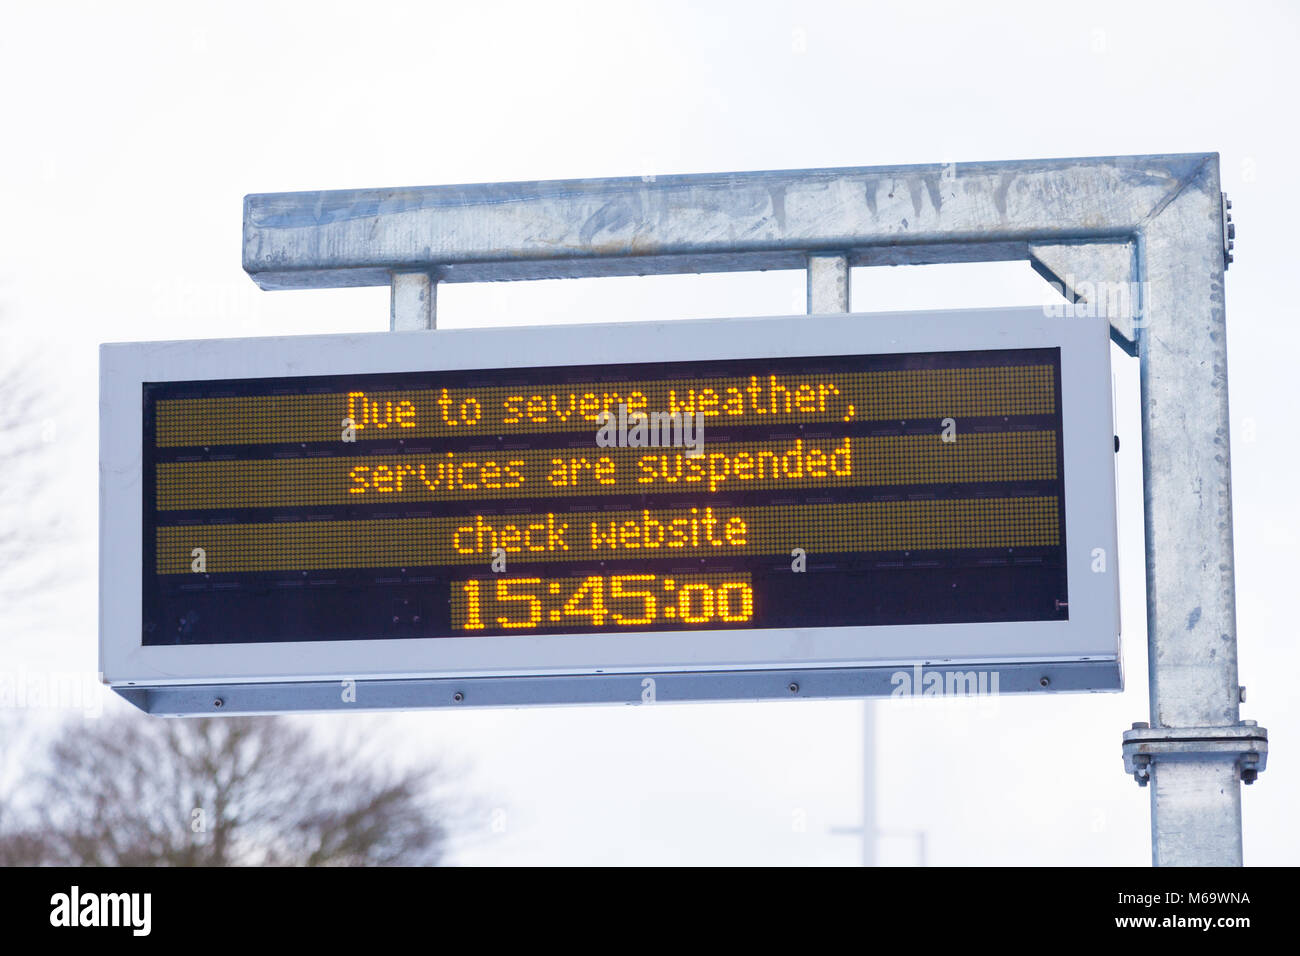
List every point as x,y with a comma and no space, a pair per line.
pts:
920,487
798,496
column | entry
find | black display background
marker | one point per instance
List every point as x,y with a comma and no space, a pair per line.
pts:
962,586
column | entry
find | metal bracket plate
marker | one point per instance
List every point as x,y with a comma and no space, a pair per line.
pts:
1246,744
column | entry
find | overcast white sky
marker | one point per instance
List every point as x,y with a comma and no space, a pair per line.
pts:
129,134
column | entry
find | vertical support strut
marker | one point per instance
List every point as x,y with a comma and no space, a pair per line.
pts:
828,291
828,284
414,304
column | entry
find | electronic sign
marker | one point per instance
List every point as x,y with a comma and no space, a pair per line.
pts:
693,497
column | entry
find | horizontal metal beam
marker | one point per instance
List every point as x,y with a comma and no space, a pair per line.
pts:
885,215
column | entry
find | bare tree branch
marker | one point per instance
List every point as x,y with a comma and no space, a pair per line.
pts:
30,522
131,790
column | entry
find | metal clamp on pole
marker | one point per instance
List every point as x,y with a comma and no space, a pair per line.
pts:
1246,744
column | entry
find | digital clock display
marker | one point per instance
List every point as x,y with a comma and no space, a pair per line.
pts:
726,494
621,600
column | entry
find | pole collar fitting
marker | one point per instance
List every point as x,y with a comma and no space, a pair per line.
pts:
1245,744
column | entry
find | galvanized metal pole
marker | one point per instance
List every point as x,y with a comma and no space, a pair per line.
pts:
870,830
1187,477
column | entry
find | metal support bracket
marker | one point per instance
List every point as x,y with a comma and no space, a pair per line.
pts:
1097,279
1143,240
414,301
1245,744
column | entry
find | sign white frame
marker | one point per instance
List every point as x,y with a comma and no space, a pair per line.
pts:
1090,636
